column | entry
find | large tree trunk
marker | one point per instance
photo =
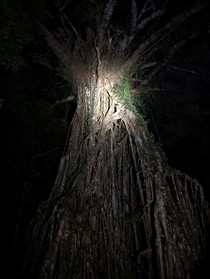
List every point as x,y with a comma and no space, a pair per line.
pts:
117,210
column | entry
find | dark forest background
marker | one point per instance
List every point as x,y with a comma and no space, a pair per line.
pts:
34,122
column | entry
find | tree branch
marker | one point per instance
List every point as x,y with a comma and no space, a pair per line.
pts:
108,14
150,18
64,100
65,5
138,25
55,46
144,9
190,72
166,58
133,15
156,38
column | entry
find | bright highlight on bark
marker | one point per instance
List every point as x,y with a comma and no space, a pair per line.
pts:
117,209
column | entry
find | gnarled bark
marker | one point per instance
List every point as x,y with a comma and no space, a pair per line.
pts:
117,210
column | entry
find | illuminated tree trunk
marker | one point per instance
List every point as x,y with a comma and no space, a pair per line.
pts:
117,209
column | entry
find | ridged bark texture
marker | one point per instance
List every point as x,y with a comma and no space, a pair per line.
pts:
117,209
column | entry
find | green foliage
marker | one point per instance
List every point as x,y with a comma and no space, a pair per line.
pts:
133,104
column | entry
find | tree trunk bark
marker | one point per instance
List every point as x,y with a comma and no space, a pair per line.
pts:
117,210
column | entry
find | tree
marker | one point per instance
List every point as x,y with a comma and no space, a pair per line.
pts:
117,209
